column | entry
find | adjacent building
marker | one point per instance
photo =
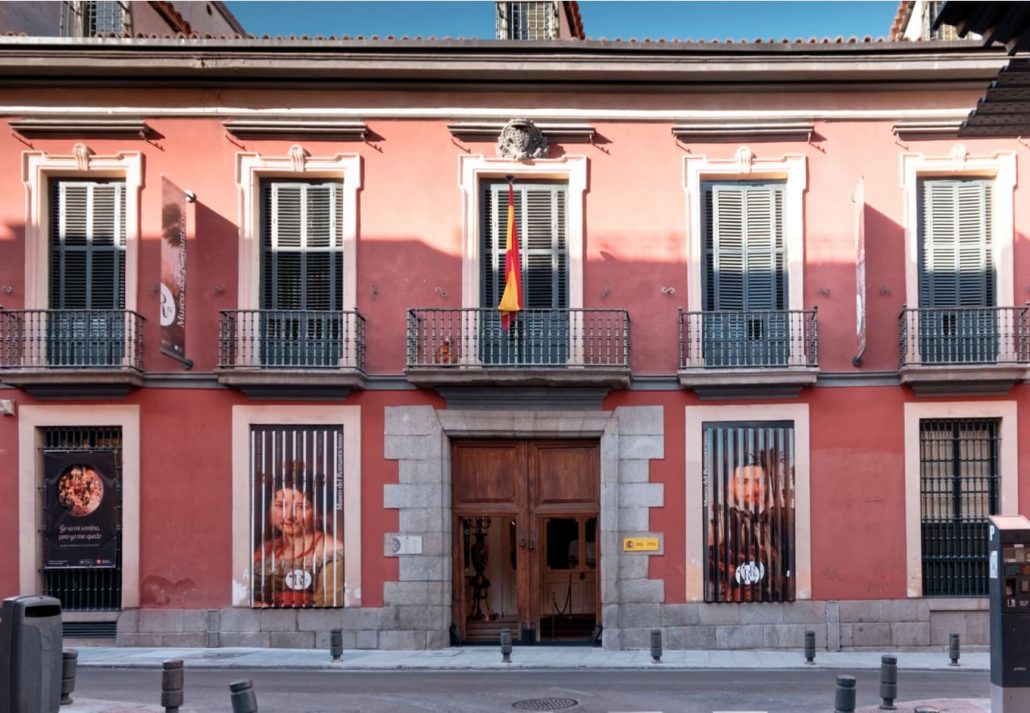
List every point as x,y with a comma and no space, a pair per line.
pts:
768,375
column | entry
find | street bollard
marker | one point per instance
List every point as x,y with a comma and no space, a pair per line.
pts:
656,645
888,682
336,644
171,685
810,647
505,645
845,701
69,666
243,698
953,648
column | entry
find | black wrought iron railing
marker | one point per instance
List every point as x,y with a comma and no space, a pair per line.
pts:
537,338
71,339
749,340
940,336
291,339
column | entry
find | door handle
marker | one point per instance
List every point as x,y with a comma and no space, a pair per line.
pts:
522,540
532,542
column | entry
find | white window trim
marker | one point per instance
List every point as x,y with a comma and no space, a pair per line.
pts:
1008,469
38,169
473,170
251,169
243,417
1001,169
31,419
745,166
695,519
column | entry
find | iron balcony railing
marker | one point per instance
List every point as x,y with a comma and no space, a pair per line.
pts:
71,339
950,336
537,338
754,339
291,339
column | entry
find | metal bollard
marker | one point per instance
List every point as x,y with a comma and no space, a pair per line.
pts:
243,698
505,645
810,647
845,701
953,648
69,666
336,644
171,685
656,645
888,682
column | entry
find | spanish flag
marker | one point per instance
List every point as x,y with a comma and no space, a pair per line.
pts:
511,298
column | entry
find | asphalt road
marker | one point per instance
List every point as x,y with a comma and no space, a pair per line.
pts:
475,691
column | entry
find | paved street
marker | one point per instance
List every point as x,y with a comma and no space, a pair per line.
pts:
665,691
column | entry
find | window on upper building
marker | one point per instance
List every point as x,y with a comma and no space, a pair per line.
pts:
743,275
92,18
301,272
86,326
748,481
527,20
957,294
959,482
540,333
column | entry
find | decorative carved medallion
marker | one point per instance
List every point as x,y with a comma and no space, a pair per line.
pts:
521,140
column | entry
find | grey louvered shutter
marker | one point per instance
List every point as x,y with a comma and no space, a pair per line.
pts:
541,218
744,247
955,260
87,245
302,246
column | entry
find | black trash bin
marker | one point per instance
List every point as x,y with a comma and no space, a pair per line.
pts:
30,655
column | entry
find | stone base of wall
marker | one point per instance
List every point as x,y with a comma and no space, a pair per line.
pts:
880,624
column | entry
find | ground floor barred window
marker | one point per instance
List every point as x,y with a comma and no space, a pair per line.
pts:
959,482
297,516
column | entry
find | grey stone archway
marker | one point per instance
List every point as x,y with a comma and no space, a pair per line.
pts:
417,607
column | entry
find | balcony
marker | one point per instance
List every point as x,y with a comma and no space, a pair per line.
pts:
958,350
291,352
69,352
543,347
753,353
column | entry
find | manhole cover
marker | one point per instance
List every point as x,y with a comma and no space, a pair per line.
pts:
544,704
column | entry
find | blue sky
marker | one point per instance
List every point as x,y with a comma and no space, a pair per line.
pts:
609,19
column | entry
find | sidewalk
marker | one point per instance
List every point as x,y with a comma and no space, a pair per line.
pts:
529,657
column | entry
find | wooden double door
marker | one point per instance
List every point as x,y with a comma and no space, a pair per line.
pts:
526,549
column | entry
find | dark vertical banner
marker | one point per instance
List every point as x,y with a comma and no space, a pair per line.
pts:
81,510
748,475
173,270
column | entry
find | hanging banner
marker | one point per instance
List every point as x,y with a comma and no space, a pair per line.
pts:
81,510
860,291
173,271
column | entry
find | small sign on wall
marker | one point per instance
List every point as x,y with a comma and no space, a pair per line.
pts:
641,544
402,545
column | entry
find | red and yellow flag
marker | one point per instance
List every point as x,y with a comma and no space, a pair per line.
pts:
511,298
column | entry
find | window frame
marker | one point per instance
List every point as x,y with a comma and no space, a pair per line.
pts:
254,168
38,170
745,166
1008,469
1000,168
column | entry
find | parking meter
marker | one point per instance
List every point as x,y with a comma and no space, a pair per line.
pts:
1009,578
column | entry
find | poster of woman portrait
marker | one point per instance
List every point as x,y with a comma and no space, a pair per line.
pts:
749,504
298,517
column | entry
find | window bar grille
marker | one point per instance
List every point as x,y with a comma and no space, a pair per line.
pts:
88,589
959,483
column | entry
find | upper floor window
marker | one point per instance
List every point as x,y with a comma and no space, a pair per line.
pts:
92,18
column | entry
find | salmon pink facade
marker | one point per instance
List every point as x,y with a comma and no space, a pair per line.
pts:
770,374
